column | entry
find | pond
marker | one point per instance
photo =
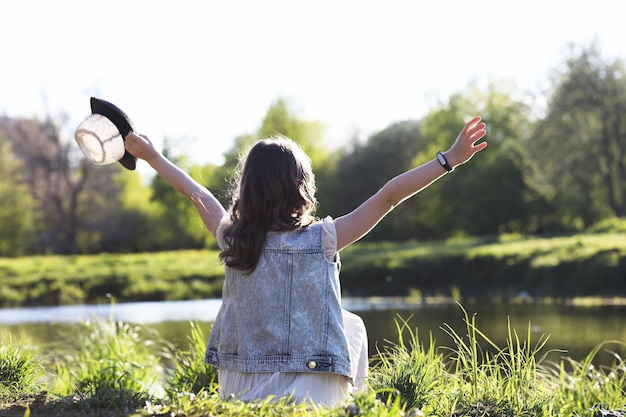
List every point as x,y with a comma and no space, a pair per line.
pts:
574,329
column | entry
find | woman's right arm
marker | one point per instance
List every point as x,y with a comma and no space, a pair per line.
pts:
210,209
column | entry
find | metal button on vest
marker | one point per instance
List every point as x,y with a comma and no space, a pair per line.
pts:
311,364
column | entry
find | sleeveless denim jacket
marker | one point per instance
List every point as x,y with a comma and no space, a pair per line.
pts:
286,315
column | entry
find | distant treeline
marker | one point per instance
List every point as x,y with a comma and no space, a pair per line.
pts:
508,267
555,164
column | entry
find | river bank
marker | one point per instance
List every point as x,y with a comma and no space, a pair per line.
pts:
580,267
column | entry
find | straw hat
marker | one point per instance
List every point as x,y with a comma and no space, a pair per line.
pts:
101,135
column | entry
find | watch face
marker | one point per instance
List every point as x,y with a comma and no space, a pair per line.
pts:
442,159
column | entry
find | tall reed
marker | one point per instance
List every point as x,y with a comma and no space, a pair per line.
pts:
496,381
407,371
476,377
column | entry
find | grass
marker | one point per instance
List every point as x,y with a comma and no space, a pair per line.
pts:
92,279
107,356
188,372
408,372
512,380
20,367
113,369
495,267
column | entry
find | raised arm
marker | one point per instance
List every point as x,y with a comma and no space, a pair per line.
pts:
356,224
210,209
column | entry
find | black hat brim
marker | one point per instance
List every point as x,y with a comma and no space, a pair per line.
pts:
121,122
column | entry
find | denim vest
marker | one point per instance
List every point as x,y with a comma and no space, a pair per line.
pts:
286,315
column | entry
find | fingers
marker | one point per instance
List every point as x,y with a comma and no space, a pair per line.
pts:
473,122
480,147
140,146
474,131
132,136
478,133
136,144
134,140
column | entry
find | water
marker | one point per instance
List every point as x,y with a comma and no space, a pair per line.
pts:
572,328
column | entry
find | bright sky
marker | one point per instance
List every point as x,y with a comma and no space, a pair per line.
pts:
206,72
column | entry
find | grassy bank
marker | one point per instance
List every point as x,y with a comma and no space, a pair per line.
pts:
63,280
571,266
583,265
113,369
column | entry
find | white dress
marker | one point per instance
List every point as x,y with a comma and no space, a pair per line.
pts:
320,388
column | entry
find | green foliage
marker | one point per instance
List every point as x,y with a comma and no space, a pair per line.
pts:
580,141
280,119
209,403
488,267
408,372
467,381
188,373
580,385
557,170
366,168
610,226
179,225
137,219
56,280
107,359
17,218
521,188
112,373
20,367
496,192
509,381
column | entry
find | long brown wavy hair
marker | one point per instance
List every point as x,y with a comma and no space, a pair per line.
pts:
274,190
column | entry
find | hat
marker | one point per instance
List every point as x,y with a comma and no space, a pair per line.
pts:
101,135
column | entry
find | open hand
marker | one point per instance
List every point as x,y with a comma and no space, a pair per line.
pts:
465,146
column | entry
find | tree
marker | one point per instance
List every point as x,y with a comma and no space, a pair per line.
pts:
71,197
240,144
366,167
281,120
16,214
177,225
498,192
581,142
132,222
216,179
46,172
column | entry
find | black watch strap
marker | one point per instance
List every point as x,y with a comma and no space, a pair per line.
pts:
444,162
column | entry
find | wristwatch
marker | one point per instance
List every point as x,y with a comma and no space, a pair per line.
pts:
444,162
